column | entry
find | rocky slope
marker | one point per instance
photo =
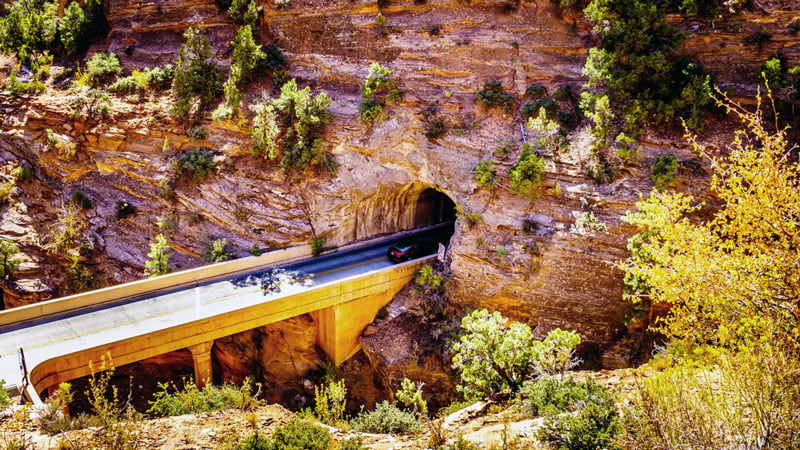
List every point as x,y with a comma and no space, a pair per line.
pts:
524,258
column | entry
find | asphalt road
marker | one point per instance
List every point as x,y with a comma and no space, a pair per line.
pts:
50,338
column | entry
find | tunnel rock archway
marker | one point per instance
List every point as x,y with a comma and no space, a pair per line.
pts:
412,206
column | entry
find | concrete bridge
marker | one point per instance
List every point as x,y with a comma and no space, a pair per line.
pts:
44,344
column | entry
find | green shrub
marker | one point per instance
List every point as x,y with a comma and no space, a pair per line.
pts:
385,418
428,279
171,401
102,68
255,441
552,395
435,128
158,258
485,173
593,424
256,250
495,355
245,12
125,85
22,174
197,163
493,95
665,171
472,218
124,209
330,401
298,434
29,28
9,261
197,133
410,394
81,199
217,251
79,277
378,88
289,129
91,103
527,173
461,444
54,415
536,90
586,222
7,191
317,246
161,77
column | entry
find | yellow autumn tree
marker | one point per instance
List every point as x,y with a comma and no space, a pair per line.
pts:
732,281
730,273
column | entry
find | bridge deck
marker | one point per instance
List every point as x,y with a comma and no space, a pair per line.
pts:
52,338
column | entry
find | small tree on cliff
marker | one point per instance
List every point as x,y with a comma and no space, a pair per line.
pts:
196,73
158,262
8,258
289,129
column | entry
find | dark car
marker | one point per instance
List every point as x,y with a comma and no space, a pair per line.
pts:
402,251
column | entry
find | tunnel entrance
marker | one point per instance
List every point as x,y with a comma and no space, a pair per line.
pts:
401,208
433,207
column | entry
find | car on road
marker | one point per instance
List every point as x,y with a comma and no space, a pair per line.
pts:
402,251
412,248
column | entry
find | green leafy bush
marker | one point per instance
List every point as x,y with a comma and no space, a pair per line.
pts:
140,81
102,68
171,401
78,26
428,279
665,171
378,88
289,129
197,163
410,394
217,251
551,395
317,246
91,103
245,12
330,401
158,258
495,355
385,418
9,261
298,434
593,424
527,173
493,95
485,173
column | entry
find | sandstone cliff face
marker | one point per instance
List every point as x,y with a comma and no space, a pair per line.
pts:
523,258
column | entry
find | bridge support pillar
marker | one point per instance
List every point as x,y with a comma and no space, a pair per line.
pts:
340,326
201,355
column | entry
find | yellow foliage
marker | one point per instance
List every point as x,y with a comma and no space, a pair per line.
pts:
732,281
